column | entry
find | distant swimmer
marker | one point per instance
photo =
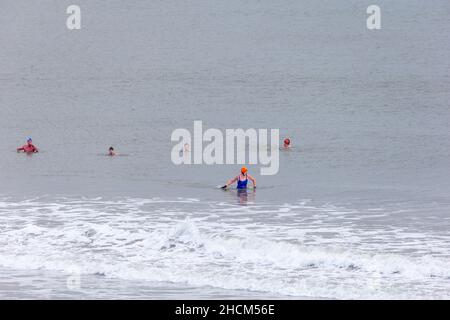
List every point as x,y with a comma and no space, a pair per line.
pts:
111,152
29,147
287,143
242,180
185,151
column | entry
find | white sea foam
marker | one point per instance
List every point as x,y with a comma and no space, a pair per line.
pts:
283,250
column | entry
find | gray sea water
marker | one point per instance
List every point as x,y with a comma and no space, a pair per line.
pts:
360,207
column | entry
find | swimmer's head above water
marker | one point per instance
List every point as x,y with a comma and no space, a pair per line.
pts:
111,151
29,147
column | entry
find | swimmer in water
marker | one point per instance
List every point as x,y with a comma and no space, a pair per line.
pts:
29,147
287,143
185,151
111,152
242,180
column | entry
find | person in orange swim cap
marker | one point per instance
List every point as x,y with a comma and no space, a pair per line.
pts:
242,180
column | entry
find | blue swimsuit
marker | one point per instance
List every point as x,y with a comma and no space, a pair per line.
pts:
242,184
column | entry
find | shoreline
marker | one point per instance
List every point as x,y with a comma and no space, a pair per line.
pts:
48,284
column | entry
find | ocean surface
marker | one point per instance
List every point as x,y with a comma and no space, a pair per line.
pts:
360,207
